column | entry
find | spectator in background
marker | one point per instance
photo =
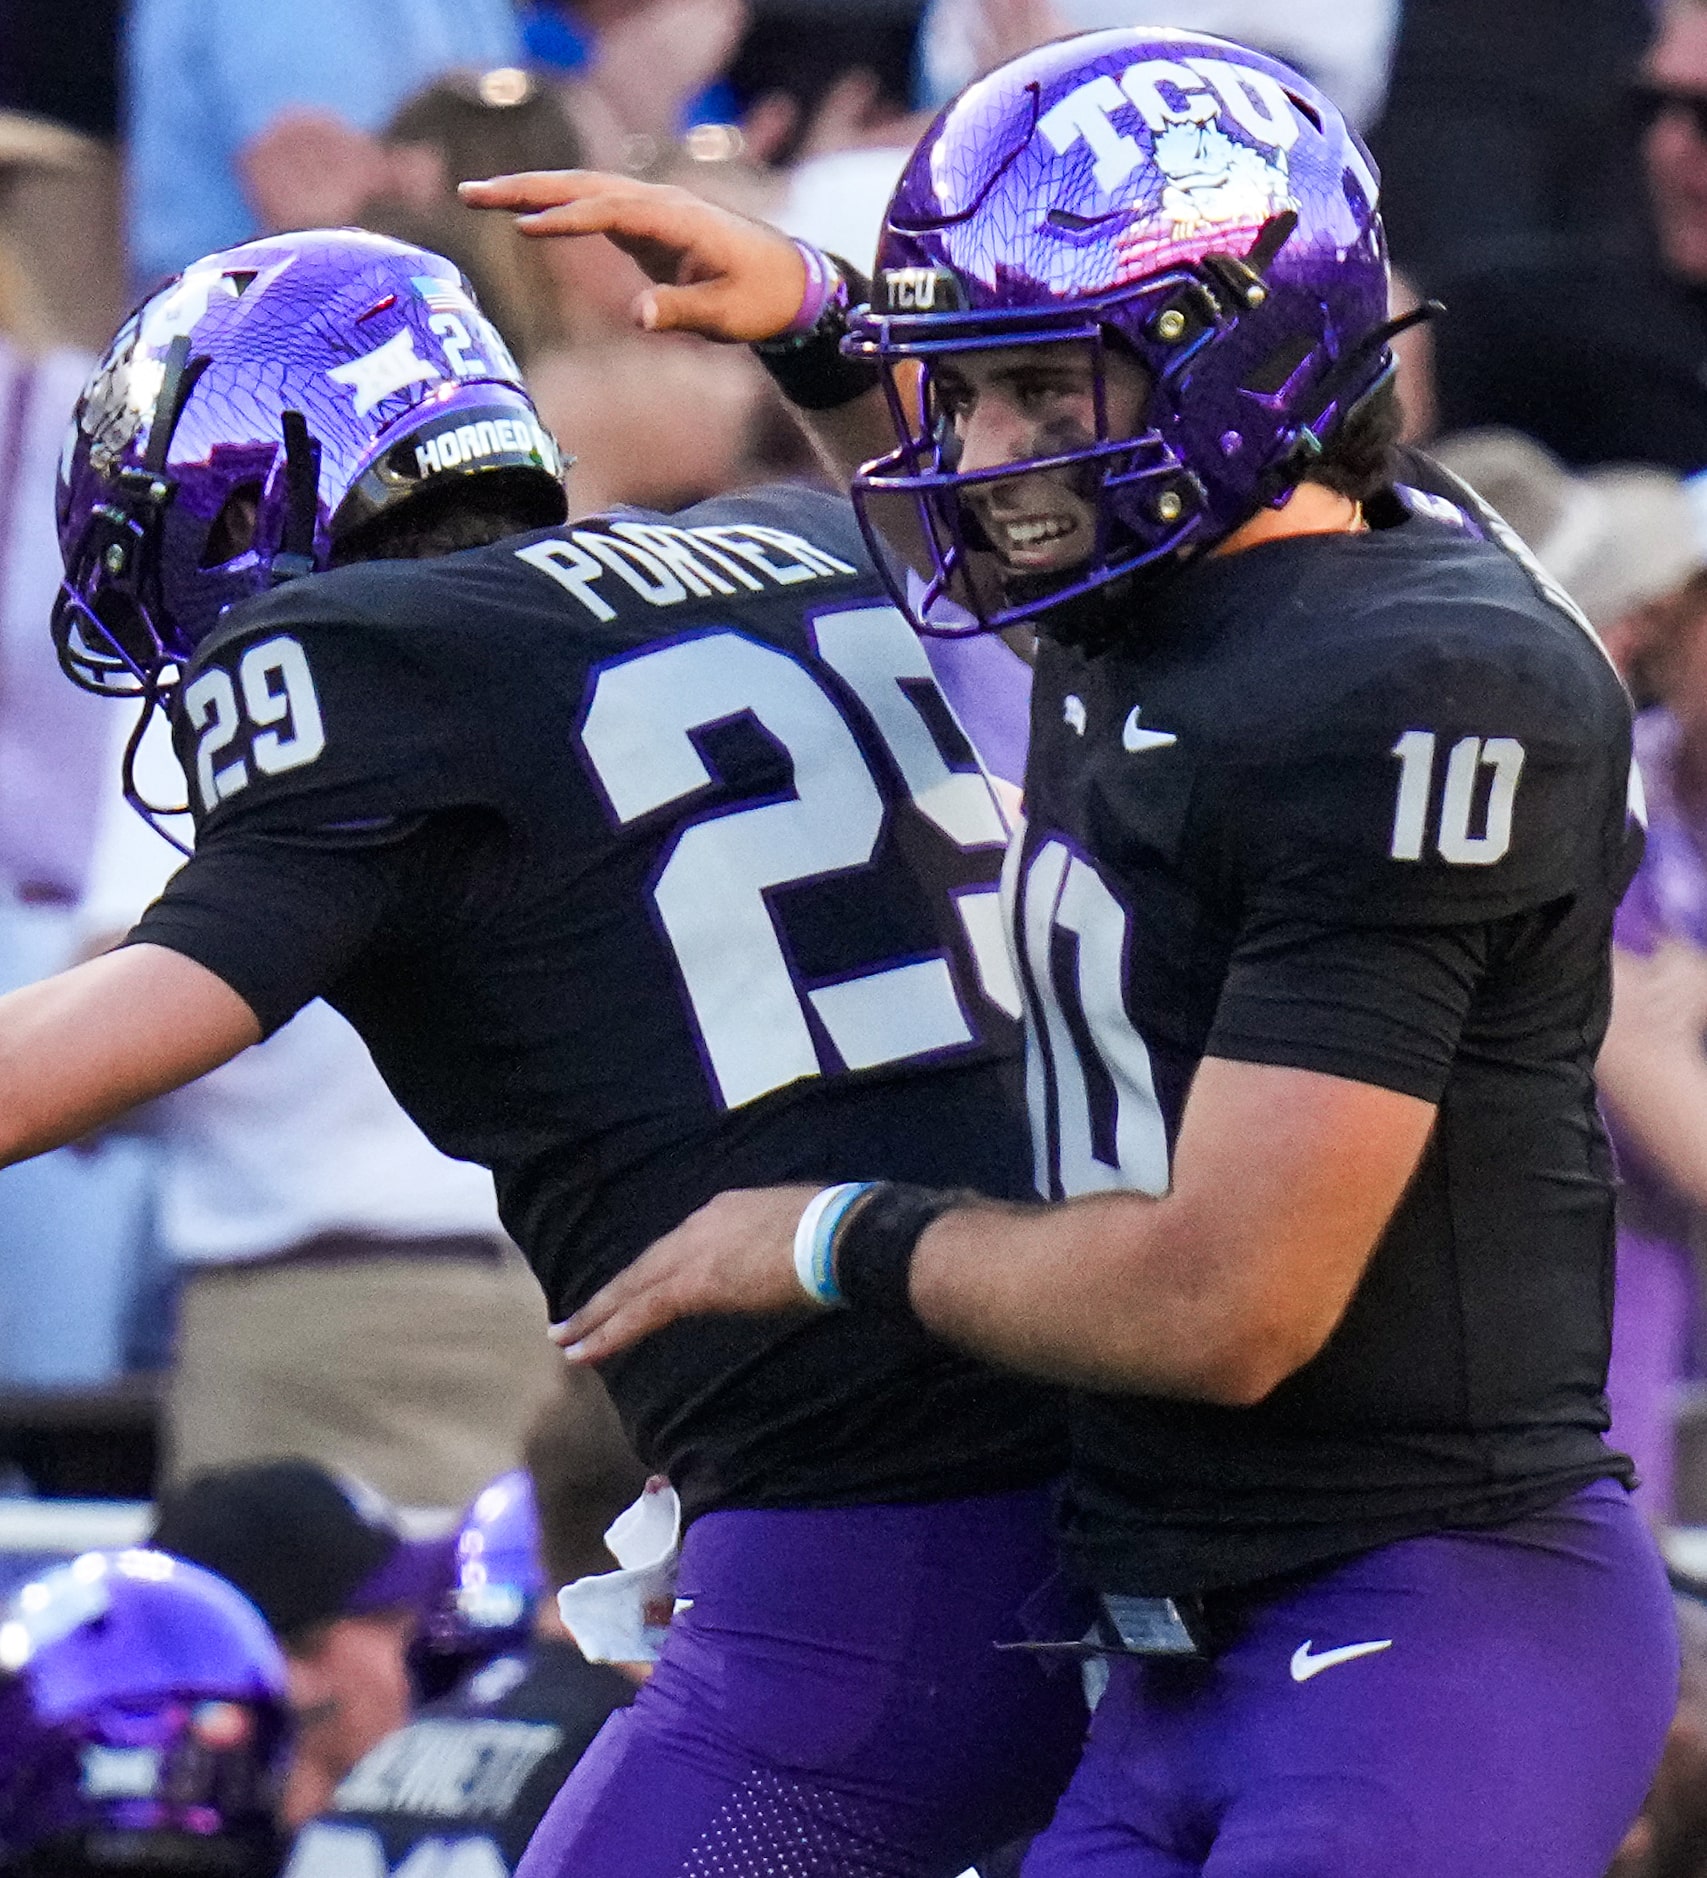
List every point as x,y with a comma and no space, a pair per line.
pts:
327,1562
347,1293
1669,1839
522,1722
1342,46
1599,349
1507,129
59,72
67,1223
564,307
246,117
1622,541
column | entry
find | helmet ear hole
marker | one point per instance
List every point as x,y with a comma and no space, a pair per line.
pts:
1275,373
233,530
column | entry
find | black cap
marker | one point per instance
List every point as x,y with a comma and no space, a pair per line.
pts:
302,1543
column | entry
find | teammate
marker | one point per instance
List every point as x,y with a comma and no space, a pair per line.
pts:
144,1724
1326,823
643,856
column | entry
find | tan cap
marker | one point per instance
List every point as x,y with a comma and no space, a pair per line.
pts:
31,142
1614,537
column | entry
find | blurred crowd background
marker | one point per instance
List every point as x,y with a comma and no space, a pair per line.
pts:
274,1262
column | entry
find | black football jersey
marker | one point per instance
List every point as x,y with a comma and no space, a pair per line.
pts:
462,1787
648,862
1352,804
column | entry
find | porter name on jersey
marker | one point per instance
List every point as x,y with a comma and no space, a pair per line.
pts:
665,565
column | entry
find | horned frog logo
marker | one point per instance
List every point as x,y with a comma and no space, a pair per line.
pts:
1212,182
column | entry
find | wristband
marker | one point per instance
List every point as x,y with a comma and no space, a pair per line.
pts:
822,282
814,1239
805,358
872,1253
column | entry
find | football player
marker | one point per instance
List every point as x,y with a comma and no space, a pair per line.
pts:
144,1724
645,857
1327,818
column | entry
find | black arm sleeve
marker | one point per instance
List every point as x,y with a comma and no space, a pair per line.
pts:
280,919
1376,1005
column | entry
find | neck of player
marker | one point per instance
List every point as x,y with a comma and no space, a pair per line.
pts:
1313,509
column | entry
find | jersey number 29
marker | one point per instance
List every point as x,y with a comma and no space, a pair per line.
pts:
710,893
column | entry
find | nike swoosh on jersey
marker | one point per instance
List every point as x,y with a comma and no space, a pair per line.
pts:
1133,737
1304,1665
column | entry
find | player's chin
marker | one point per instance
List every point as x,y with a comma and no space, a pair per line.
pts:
1025,576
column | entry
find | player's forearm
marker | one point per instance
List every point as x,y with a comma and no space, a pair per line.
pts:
79,1049
1094,1293
1283,1181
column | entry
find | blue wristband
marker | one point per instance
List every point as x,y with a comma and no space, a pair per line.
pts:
815,1238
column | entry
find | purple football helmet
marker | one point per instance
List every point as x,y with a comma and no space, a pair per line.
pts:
489,1608
144,1721
1200,205
255,413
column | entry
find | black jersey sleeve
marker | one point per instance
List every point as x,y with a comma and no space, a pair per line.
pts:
282,919
332,704
1381,1005
1461,767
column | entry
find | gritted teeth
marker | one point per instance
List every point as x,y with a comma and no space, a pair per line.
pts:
1029,534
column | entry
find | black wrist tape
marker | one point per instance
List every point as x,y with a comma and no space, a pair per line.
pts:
808,368
874,1245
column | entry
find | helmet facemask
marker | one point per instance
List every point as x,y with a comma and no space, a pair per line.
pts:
1153,510
1167,194
1147,504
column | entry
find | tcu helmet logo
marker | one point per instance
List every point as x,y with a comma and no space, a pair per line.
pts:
1169,95
919,290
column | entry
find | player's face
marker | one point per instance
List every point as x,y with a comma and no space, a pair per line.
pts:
1675,79
1022,402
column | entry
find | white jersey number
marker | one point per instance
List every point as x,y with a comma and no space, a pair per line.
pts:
1095,1121
1502,756
279,705
756,1021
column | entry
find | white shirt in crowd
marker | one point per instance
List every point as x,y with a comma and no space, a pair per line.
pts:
52,736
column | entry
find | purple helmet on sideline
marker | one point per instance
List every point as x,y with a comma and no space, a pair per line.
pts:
489,1608
1200,205
144,1722
254,413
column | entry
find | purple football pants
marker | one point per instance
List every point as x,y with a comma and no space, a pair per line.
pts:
832,1704
1506,1726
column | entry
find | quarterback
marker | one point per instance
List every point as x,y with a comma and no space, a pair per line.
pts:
645,857
1328,805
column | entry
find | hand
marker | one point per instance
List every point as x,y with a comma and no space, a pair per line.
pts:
718,274
735,1256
